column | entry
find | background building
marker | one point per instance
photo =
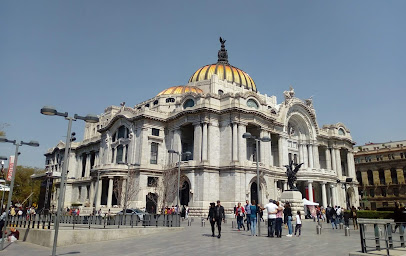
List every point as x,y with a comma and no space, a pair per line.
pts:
381,172
207,117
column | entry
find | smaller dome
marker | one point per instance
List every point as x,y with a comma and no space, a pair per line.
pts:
180,90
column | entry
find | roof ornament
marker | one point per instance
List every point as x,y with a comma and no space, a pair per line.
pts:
289,94
222,54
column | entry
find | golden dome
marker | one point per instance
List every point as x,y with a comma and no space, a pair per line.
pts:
181,90
224,71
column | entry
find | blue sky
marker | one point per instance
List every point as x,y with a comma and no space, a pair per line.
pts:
83,56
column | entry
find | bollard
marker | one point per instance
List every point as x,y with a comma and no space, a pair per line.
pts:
347,231
203,222
318,230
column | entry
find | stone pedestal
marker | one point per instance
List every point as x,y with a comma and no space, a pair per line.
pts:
294,197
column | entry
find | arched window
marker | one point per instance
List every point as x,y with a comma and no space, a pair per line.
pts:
188,103
119,155
121,132
170,100
370,177
156,102
341,131
359,177
220,92
394,176
252,104
382,177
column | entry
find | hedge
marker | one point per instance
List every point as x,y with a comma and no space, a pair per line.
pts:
374,214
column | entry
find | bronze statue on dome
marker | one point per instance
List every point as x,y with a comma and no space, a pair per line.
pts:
222,54
292,173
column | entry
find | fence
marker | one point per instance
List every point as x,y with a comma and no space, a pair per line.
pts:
45,221
382,231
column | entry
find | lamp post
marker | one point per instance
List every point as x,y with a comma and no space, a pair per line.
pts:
3,187
51,111
126,186
247,136
10,194
187,153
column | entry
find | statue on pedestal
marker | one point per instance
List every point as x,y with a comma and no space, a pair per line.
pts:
291,173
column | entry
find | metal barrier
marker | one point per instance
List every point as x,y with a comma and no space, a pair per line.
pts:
385,235
44,221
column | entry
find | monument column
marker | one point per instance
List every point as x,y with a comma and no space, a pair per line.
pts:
323,194
310,190
110,192
204,142
311,159
235,146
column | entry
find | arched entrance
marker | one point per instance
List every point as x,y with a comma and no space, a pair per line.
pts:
184,193
152,200
254,192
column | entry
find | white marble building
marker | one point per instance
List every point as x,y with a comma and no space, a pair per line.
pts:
208,117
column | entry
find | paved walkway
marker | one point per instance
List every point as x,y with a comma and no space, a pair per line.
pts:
196,240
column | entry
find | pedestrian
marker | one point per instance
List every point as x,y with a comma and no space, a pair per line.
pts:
253,217
239,213
298,223
187,213
287,212
323,213
354,217
271,209
14,235
220,216
339,214
279,220
333,216
212,217
346,217
248,213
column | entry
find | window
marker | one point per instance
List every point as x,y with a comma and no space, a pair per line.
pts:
87,191
383,192
394,176
156,102
252,104
79,193
147,105
382,177
155,132
84,158
359,177
373,206
188,103
220,92
121,132
401,155
112,154
396,191
170,100
341,131
385,204
152,181
371,192
113,138
154,153
119,155
370,177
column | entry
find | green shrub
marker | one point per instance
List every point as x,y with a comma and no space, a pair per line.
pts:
374,214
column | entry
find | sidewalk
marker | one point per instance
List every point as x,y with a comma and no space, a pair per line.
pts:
196,240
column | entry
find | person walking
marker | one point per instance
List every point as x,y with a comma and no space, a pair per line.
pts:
248,213
287,212
279,220
271,208
298,223
219,216
239,213
333,216
354,217
212,217
253,217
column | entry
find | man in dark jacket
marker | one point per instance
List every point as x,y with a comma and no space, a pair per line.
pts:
212,217
219,216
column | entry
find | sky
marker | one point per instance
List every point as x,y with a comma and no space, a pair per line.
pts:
83,56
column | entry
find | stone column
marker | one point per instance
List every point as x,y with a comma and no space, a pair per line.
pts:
338,163
110,192
270,162
305,156
197,147
311,159
275,189
99,193
300,146
316,156
91,194
333,195
323,194
328,159
310,190
280,151
177,144
333,160
235,146
204,142
262,147
351,165
242,143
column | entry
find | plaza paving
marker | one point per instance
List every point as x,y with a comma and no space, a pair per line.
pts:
196,240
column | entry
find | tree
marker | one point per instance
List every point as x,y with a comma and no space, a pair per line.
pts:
2,127
119,190
24,185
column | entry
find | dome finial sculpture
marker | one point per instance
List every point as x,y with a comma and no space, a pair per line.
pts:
222,54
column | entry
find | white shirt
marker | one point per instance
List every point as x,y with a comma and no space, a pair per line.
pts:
298,220
338,211
271,207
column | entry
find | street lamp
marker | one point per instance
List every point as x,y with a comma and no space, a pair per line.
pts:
248,136
17,144
187,153
126,186
51,111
